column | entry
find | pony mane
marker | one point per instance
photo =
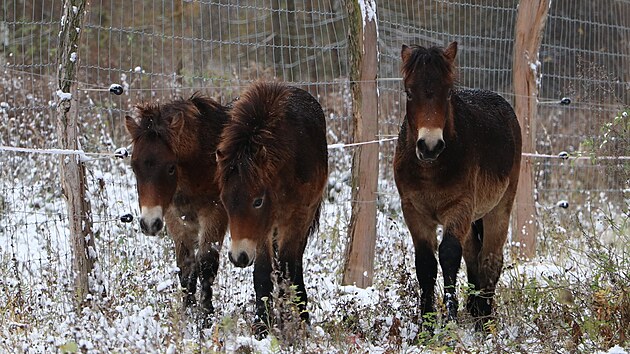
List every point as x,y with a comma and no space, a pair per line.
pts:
176,122
432,58
252,145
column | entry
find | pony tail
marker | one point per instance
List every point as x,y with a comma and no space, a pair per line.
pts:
314,226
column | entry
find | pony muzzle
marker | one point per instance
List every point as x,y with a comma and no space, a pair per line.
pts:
242,253
151,220
430,144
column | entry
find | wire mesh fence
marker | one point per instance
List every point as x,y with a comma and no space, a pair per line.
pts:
157,50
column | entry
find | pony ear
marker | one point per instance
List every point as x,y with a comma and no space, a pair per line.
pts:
405,53
219,155
450,52
261,153
177,123
132,127
178,120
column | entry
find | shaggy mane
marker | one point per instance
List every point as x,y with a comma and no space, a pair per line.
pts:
155,121
428,60
252,146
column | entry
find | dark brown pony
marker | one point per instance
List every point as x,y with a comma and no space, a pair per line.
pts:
174,162
273,167
457,164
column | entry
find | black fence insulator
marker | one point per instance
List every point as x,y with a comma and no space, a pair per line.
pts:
127,218
121,153
116,89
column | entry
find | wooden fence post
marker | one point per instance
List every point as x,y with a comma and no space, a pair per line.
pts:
71,167
530,23
359,265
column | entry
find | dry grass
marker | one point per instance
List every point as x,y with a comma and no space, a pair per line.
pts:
572,298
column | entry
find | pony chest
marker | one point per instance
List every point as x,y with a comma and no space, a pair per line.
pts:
185,208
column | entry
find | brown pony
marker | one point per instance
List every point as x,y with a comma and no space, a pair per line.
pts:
273,167
174,162
456,164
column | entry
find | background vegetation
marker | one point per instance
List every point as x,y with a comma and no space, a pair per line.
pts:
572,298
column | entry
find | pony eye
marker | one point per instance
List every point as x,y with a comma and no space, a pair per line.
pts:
171,170
258,202
408,94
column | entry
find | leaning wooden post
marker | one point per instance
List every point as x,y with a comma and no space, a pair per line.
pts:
530,23
72,169
359,266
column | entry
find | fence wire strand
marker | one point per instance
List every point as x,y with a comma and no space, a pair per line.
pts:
158,50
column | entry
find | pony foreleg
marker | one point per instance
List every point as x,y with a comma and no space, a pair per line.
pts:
426,271
450,253
292,273
208,263
187,271
263,286
213,225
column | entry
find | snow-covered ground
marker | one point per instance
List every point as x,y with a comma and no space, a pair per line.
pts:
140,308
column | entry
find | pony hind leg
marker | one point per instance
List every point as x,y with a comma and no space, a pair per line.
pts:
490,261
450,254
471,256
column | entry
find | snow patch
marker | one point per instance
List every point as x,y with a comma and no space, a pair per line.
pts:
64,96
164,285
368,10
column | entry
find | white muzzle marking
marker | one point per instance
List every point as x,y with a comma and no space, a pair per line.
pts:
431,136
243,252
151,219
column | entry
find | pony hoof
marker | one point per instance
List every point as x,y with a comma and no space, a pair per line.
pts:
451,308
189,300
205,320
305,317
260,330
206,306
427,327
485,325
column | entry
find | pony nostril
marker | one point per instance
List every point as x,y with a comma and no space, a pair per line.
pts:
439,147
143,226
429,152
242,260
157,225
421,145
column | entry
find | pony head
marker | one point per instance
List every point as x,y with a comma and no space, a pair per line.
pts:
154,161
428,78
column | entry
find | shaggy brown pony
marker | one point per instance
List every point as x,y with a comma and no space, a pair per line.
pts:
174,162
273,167
457,165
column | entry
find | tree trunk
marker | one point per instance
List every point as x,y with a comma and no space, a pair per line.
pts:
359,266
530,23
